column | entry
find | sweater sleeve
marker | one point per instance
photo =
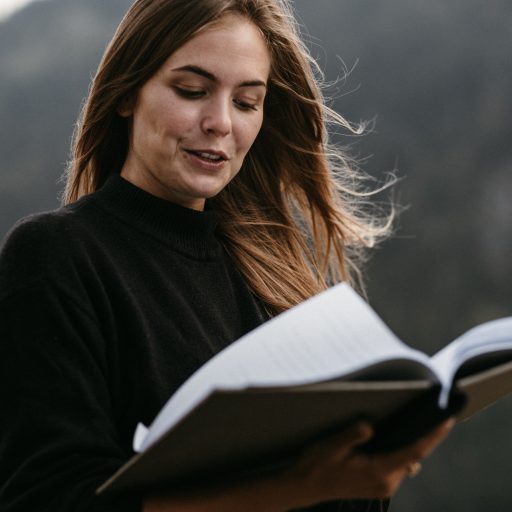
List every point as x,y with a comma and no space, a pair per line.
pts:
58,436
58,442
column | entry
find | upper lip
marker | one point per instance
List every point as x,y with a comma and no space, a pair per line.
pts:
210,152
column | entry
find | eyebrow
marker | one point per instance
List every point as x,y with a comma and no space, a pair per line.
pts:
210,76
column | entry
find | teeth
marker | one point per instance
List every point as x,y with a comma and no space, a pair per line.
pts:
210,156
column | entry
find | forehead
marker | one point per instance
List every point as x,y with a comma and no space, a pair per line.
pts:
232,47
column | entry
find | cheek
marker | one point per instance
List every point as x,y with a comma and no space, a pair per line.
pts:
145,126
248,132
164,118
180,119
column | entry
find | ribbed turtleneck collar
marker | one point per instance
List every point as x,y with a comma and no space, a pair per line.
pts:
190,232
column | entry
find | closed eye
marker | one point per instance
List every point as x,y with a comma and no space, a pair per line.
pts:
194,94
244,105
189,93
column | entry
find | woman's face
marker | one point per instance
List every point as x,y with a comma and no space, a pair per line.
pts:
195,119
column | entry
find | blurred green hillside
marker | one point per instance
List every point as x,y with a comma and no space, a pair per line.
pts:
437,79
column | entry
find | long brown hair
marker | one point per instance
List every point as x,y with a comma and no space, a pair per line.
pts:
293,219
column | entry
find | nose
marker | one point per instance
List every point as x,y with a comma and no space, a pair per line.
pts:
216,118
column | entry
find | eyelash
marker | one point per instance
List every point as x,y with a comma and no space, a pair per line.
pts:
195,95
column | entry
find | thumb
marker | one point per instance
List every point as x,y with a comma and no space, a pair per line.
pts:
356,434
347,440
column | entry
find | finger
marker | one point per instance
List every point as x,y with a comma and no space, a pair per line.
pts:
340,444
420,449
353,435
431,440
344,443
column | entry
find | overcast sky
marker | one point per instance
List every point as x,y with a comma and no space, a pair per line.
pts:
7,7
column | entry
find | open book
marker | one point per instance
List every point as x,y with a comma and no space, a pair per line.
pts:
307,373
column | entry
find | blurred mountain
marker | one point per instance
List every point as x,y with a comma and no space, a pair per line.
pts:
48,53
436,77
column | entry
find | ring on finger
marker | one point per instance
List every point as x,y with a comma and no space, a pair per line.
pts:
413,469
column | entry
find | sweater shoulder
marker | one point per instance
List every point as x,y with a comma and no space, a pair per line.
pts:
37,227
41,246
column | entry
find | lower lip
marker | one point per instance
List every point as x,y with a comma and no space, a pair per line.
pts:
204,163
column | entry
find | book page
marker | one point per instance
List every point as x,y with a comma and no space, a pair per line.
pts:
483,340
331,335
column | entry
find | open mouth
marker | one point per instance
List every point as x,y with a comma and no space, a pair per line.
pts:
205,155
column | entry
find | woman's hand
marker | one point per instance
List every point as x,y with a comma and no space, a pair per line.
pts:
330,469
334,468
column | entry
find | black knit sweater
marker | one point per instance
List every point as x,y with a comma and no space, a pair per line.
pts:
106,307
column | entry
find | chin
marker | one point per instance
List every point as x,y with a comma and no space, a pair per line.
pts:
209,190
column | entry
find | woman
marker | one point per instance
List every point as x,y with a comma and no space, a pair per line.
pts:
201,200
